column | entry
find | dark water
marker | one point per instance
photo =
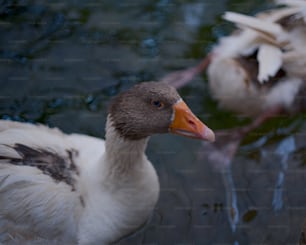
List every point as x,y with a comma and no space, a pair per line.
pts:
61,61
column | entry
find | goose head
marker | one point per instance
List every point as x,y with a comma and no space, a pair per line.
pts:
155,108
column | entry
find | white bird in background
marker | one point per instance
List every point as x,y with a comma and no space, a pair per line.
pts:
261,66
258,71
76,189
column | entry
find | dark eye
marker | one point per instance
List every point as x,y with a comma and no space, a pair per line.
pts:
157,104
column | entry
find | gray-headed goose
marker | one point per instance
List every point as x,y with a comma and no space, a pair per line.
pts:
75,189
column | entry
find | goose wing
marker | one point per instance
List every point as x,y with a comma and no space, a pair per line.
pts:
38,181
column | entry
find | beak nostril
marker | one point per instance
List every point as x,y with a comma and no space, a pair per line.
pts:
191,122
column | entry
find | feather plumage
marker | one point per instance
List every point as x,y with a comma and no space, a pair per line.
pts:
263,64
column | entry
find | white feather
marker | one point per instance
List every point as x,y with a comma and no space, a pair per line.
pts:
269,60
271,30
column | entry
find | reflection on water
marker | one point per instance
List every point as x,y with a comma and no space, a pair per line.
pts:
62,61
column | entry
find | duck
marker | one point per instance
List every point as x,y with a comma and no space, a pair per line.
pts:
58,188
261,65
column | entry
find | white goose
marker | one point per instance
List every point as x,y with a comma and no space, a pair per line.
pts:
262,65
75,189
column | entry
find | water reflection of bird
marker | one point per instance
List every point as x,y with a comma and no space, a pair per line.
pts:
75,189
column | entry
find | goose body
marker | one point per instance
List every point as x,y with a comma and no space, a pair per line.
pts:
262,64
57,188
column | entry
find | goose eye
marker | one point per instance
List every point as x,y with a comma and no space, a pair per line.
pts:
157,104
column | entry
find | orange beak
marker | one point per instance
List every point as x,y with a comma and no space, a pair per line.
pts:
187,124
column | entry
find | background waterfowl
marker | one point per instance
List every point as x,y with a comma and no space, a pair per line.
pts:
258,71
262,63
260,66
77,189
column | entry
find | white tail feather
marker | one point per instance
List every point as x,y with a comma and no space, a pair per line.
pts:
270,61
269,28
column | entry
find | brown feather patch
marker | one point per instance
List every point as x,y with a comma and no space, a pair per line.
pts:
60,168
